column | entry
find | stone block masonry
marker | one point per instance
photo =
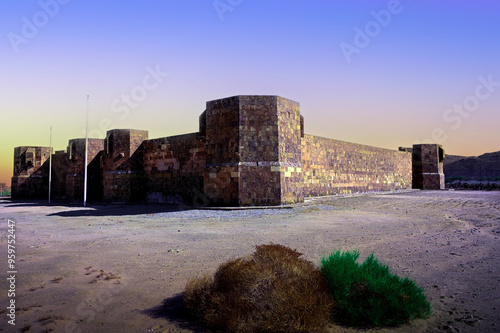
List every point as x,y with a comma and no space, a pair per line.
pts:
122,165
249,150
174,168
31,172
251,142
338,167
427,167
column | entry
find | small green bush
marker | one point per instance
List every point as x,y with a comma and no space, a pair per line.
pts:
271,291
368,294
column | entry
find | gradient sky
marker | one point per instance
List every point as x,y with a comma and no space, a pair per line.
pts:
418,74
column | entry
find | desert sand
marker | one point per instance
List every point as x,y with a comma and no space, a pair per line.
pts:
117,268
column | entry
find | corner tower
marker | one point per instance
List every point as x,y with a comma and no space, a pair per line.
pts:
427,167
253,146
123,165
31,172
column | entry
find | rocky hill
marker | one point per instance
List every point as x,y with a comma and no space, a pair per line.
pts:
484,167
453,158
481,172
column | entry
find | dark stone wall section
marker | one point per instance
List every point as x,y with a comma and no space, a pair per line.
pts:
173,169
222,142
427,168
31,169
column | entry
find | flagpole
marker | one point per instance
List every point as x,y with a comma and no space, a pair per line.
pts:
86,156
50,163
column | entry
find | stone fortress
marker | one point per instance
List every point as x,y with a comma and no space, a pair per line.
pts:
250,150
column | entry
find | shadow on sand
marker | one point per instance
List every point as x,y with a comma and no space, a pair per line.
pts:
98,209
173,310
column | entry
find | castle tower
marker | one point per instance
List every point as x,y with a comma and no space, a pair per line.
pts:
123,165
427,167
31,172
253,151
75,169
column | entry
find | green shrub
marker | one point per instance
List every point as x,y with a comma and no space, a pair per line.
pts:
368,294
271,291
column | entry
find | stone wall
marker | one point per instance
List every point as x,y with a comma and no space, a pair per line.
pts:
221,176
75,168
31,171
427,165
122,165
250,150
253,144
173,169
338,167
259,137
291,131
60,169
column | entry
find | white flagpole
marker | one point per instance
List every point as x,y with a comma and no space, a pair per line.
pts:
86,157
50,163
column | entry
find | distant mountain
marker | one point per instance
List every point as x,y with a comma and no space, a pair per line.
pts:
453,158
484,167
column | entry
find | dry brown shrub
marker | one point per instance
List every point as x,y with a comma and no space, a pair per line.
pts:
272,290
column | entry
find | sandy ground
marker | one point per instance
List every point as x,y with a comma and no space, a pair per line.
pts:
123,268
